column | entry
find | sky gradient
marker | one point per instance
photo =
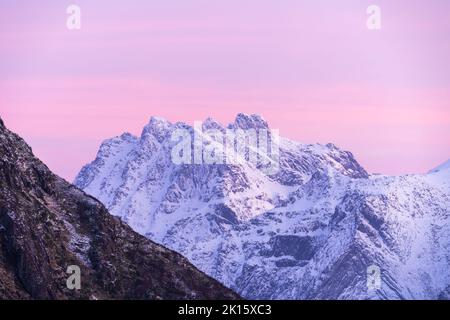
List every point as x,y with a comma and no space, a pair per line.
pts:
312,69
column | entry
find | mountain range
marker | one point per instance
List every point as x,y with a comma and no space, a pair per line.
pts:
312,230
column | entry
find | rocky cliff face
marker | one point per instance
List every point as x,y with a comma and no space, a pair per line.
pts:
47,224
308,231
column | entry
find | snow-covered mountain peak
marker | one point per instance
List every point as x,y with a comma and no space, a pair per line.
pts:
310,230
158,127
115,145
127,156
211,124
127,136
245,121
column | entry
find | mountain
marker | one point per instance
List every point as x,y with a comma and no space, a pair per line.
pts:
47,225
316,228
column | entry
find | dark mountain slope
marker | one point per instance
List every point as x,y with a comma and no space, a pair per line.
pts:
47,224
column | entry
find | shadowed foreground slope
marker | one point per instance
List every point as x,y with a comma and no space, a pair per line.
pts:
47,224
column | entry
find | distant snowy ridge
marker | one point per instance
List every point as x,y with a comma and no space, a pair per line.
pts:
444,166
307,232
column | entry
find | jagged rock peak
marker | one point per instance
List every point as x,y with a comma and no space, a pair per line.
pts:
157,127
210,123
118,140
245,121
127,136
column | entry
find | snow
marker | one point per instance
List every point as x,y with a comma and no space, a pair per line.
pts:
320,196
79,244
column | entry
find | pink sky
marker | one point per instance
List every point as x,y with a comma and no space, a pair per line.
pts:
311,68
